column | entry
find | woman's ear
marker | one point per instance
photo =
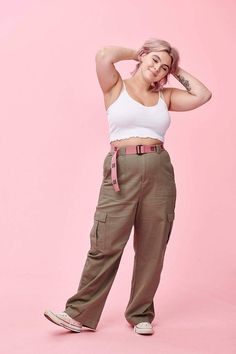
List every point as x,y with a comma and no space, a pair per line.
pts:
142,56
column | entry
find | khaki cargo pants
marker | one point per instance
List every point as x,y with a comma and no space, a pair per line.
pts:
146,200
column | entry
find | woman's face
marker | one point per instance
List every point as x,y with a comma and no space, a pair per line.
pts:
155,65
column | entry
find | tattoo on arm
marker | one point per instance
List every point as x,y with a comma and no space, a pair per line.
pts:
183,82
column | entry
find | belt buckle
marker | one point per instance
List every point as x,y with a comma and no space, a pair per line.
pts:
138,149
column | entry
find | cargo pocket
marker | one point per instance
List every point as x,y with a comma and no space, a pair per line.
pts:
170,218
98,231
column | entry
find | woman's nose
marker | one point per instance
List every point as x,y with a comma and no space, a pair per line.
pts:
157,67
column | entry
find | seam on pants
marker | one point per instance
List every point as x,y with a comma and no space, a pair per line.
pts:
135,273
136,253
142,174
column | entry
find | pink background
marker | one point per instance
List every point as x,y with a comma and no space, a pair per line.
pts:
51,107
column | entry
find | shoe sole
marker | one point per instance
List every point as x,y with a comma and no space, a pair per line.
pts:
58,321
143,330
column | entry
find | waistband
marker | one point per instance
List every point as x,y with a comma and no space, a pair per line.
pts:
129,149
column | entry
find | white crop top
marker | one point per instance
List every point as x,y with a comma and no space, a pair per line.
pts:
128,118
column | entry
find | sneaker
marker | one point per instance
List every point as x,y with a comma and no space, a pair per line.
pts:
64,320
143,328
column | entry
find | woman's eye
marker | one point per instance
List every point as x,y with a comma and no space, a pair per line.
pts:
162,67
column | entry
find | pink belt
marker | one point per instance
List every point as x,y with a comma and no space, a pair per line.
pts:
130,149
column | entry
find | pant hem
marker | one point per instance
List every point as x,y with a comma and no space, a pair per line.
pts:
134,323
86,323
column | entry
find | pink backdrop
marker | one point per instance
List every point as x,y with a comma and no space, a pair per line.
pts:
51,107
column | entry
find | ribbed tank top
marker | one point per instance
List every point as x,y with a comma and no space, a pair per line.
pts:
129,118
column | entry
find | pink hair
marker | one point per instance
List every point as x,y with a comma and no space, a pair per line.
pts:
156,45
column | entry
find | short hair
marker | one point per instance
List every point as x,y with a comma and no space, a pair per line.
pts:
155,45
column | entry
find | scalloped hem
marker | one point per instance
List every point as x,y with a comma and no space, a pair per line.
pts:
141,137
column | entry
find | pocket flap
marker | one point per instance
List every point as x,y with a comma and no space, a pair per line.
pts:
100,215
171,216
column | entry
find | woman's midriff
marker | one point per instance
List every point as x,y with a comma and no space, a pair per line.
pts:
136,141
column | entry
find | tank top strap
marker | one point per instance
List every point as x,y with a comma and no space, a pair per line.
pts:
160,94
124,87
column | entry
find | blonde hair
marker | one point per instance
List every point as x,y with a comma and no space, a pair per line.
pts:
157,45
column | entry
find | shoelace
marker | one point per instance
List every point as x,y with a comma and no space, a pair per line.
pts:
71,320
144,324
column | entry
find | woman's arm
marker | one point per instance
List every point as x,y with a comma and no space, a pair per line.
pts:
105,58
115,53
196,95
192,85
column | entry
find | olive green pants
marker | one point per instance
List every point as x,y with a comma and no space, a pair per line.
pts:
146,200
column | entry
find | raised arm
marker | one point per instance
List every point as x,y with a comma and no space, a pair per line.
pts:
196,95
105,59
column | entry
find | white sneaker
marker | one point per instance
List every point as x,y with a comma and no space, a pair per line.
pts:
64,320
143,328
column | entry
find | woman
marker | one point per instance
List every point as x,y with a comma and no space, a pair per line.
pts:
138,187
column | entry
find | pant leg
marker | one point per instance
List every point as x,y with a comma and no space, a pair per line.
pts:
152,229
113,221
